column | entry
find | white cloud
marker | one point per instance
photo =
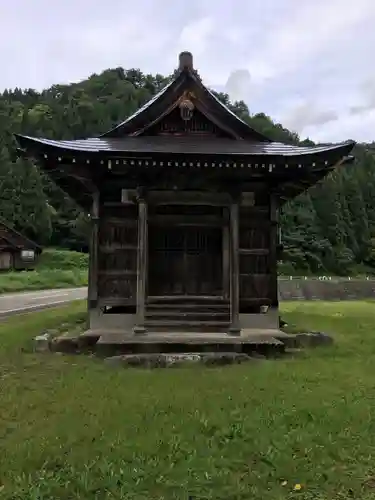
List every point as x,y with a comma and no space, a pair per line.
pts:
238,85
195,36
302,62
359,127
307,114
305,32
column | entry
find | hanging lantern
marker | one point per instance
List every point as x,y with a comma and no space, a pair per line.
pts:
186,109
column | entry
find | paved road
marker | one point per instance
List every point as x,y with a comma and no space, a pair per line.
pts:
17,303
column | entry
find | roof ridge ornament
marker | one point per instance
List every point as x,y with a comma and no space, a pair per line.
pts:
186,61
186,64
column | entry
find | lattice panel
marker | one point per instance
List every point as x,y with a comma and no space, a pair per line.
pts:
185,260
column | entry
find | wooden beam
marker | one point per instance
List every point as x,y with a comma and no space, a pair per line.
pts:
116,273
118,221
186,220
93,256
226,256
188,198
115,301
253,251
139,328
234,269
273,251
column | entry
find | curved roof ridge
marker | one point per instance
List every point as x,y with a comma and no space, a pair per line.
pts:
22,236
183,145
181,76
234,115
145,106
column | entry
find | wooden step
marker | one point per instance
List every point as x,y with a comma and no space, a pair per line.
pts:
187,309
176,322
181,325
190,314
188,305
187,317
186,299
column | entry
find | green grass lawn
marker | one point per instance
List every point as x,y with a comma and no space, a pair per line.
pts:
56,269
42,280
73,428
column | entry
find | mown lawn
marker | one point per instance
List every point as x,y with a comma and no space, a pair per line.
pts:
73,428
42,280
56,269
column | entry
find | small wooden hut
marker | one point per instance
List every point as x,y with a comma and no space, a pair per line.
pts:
184,199
17,252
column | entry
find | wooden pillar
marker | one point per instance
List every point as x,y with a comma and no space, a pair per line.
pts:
226,255
273,290
139,327
93,255
234,268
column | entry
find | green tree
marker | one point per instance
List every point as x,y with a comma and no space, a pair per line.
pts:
331,228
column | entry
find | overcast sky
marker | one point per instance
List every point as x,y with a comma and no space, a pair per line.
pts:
308,64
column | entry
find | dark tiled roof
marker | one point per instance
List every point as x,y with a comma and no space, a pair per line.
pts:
17,239
186,80
182,145
143,108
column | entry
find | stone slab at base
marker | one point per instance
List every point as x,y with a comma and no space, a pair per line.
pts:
265,342
247,334
188,339
126,322
177,359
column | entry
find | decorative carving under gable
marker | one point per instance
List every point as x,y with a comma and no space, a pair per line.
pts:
185,119
186,108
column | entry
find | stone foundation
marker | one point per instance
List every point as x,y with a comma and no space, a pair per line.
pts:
334,289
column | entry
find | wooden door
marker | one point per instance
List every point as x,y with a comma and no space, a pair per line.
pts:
6,260
185,260
203,261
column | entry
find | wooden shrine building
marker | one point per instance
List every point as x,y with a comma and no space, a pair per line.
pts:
184,199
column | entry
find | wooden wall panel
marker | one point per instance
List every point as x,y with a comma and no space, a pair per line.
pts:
6,260
117,260
254,250
252,238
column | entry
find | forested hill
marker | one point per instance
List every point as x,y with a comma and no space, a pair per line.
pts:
329,229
